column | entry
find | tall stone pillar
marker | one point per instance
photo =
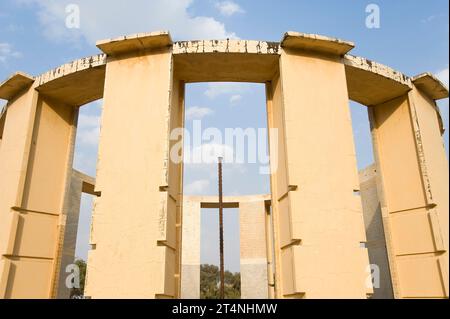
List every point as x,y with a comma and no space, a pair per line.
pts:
254,284
412,179
190,272
35,163
136,226
79,184
376,239
318,219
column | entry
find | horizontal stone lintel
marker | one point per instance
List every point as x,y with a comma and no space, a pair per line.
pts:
16,83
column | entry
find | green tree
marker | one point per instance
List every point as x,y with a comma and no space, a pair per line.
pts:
79,292
210,283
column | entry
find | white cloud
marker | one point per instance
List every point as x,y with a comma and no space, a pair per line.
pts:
235,98
201,168
208,153
431,18
204,158
13,28
85,162
7,52
88,129
197,187
443,76
229,8
196,112
89,136
104,19
216,89
88,121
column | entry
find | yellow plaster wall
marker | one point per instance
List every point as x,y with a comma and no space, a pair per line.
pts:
412,181
134,219
320,256
36,165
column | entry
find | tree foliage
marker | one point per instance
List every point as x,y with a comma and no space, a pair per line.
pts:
79,292
210,283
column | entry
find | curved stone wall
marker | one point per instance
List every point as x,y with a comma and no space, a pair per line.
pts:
318,222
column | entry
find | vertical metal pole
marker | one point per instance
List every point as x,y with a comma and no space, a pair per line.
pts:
222,270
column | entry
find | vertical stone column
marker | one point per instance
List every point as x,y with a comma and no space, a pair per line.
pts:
270,251
190,272
35,160
175,178
70,233
413,188
318,219
137,219
376,242
79,184
254,284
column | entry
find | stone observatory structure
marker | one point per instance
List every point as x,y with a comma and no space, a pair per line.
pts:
318,244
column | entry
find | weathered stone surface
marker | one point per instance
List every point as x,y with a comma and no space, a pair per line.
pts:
317,220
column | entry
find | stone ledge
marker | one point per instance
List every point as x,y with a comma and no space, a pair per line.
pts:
135,42
377,68
71,67
14,85
431,86
316,43
226,46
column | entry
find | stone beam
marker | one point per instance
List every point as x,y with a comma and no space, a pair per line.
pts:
14,85
372,83
225,60
135,43
431,86
75,83
315,43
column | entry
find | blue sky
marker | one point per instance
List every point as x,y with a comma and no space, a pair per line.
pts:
413,38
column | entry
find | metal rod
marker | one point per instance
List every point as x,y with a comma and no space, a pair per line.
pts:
222,267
